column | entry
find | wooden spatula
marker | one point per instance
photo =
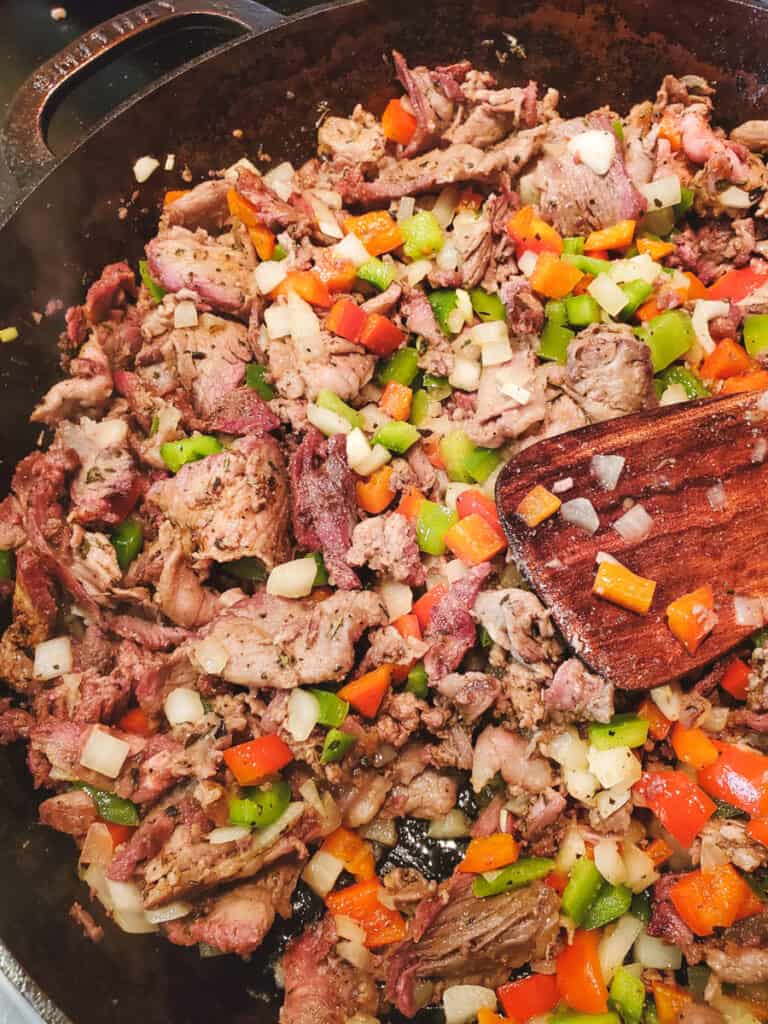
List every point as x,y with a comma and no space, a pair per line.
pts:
674,458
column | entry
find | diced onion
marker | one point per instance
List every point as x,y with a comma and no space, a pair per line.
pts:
347,928
358,449
324,805
673,394
97,847
170,912
185,314
322,872
508,383
465,375
170,162
580,512
381,830
144,168
662,192
637,268
603,556
462,1002
495,353
748,611
572,846
228,834
104,753
351,250
278,321
609,862
280,180
453,825
405,208
304,322
448,257
293,579
582,785
397,598
560,486
569,750
324,216
327,421
607,294
716,497
128,910
705,310
668,700
736,198
527,264
614,767
617,940
607,469
269,274
635,525
183,704
611,800
355,953
445,205
231,173
417,271
379,457
594,148
641,871
489,333
52,658
303,713
652,952
211,655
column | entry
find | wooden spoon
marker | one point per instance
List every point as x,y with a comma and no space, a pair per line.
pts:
677,461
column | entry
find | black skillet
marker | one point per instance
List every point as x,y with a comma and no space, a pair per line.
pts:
274,86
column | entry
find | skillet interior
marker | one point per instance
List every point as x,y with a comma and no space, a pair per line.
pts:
68,229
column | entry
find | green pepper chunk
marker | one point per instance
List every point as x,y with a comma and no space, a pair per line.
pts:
582,310
522,872
190,449
127,539
650,1015
418,681
756,333
698,979
333,710
280,253
668,335
260,805
573,245
419,407
377,272
556,312
658,222
111,808
422,235
642,905
726,810
455,449
565,1016
7,561
487,305
584,883
691,383
611,902
402,367
432,524
255,378
687,196
396,436
329,400
627,996
321,576
759,638
337,744
438,387
154,289
443,302
637,292
625,730
247,568
587,264
554,342
481,463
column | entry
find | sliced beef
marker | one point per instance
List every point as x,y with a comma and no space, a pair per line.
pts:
576,694
34,599
472,693
451,628
204,206
115,284
525,313
753,135
473,242
493,114
15,723
356,140
84,392
517,621
730,840
545,811
180,595
108,483
91,930
210,360
609,372
271,210
432,96
429,794
151,635
387,544
499,750
73,812
417,313
144,844
738,965
714,248
666,924
385,301
500,416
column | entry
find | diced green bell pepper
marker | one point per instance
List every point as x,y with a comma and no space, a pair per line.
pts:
625,730
438,387
573,245
611,902
260,805
419,407
328,400
422,235
582,310
522,872
7,561
584,883
432,524
668,335
154,289
637,292
279,253
455,449
566,1016
396,436
587,264
248,568
687,196
481,463
725,810
255,378
556,312
759,638
698,979
691,383
111,808
443,302
487,305
618,130
418,682
756,333
627,996
377,272
650,1014
190,449
658,222
337,744
127,539
554,342
642,905
333,710
321,576
484,638
402,367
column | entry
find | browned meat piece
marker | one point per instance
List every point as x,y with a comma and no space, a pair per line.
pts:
179,593
495,113
714,248
145,843
429,795
15,723
280,643
699,1013
472,941
355,140
113,287
232,505
57,743
204,206
500,416
12,532
753,135
666,924
433,96
323,360
387,646
219,274
499,750
474,246
419,319
721,327
577,694
73,812
92,931
387,544
472,693
544,812
451,629
151,635
271,210
385,301
34,599
108,484
407,887
84,392
319,987
609,372
737,964
525,313
518,622
324,505
638,145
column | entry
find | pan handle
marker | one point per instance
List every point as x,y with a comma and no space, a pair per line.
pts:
23,137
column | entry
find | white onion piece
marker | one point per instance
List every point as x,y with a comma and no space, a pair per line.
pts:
104,753
569,750
417,271
492,332
611,800
170,162
615,767
637,268
759,450
133,922
527,263
381,830
736,198
448,257
641,871
170,912
405,208
462,1002
594,148
609,861
324,805
52,658
580,512
293,579
358,449
327,421
445,205
322,872
278,321
716,497
581,785
563,485
673,394
347,928
662,192
231,173
607,294
654,953
185,314
496,353
280,180
635,525
603,556
748,611
183,704
303,713
351,250
455,570
705,310
379,457
508,383
617,940
304,321
228,834
97,848
465,375
211,655
453,825
144,168
397,598
324,216
269,274
607,469
355,953
572,846
668,700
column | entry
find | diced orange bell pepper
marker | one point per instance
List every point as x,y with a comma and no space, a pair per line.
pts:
118,833
579,975
755,381
469,199
474,501
354,853
485,1015
408,626
361,902
538,504
397,123
136,721
706,900
659,851
378,232
529,997
396,400
366,693
726,360
658,723
422,608
656,249
173,194
307,285
617,236
253,761
338,275
263,241
532,234
648,310
621,586
239,207
490,853
736,679
552,278
431,448
375,493
752,905
410,503
670,1001
691,617
380,335
346,319
696,287
474,540
757,829
693,746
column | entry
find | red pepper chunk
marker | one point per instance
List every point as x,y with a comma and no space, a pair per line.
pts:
681,806
422,609
474,502
361,902
736,284
346,320
253,761
740,777
119,833
529,997
136,721
397,124
579,975
380,335
736,679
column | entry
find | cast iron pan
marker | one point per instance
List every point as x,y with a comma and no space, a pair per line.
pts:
273,85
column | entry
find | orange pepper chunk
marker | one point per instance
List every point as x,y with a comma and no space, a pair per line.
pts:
241,208
361,902
755,381
656,250
659,851
136,721
553,278
617,236
431,447
307,285
532,234
263,241
485,1015
378,232
658,723
338,275
693,746
375,493
396,400
669,129
422,608
397,123
621,586
726,360
410,503
670,1001
354,853
757,829
580,976
696,287
706,900
474,540
538,504
490,853
366,693
691,617
173,194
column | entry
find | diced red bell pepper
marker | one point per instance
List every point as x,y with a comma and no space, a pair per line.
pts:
361,902
579,975
366,693
740,777
736,679
408,626
736,284
757,829
529,997
253,761
681,806
136,721
119,833
397,123
422,609
475,502
380,335
556,880
346,319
